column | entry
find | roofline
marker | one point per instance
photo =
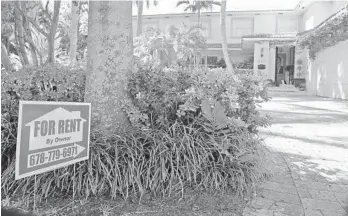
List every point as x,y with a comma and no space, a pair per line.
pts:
234,11
270,39
228,13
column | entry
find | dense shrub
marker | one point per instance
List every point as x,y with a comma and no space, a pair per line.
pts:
162,97
191,129
48,83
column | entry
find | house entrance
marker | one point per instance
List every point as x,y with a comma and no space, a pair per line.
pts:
284,68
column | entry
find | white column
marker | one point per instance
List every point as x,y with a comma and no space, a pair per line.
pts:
261,58
272,59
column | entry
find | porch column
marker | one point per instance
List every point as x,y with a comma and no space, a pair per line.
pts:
272,62
261,58
301,67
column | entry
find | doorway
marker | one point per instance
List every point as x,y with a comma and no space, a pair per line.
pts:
284,65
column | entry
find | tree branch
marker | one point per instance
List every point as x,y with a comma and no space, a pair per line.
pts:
47,15
31,42
32,22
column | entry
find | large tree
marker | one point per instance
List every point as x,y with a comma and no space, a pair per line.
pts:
19,32
73,31
140,4
110,58
223,37
47,25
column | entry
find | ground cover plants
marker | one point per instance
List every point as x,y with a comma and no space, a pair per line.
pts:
191,129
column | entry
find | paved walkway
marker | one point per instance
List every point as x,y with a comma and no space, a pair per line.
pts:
309,138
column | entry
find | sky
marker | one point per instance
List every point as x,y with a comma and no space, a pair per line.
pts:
169,6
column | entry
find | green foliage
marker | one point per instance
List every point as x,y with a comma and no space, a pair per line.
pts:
156,95
176,46
245,64
162,97
327,34
195,5
190,129
161,162
48,83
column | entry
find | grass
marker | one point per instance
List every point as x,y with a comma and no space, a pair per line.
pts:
195,202
160,162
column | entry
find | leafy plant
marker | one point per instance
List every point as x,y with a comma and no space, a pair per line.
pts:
48,83
190,129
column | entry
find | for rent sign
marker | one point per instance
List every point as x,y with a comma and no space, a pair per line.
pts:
51,135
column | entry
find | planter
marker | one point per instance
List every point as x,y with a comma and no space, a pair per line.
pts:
299,81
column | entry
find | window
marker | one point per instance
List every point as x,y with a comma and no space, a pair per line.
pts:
211,60
242,26
286,24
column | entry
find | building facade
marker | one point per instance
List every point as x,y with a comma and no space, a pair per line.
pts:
267,36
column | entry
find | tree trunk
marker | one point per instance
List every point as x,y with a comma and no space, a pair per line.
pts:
19,29
53,30
223,37
109,62
28,37
73,32
140,17
17,46
5,60
199,26
199,17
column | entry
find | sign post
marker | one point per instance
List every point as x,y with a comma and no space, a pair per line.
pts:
51,135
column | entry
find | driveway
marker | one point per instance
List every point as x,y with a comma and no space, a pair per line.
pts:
309,141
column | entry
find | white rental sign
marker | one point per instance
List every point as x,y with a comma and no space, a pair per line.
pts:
51,135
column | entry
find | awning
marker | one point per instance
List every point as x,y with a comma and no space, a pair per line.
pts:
277,39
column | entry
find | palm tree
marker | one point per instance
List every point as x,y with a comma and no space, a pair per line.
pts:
140,4
198,5
109,57
223,37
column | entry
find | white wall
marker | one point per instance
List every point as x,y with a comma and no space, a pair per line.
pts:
263,23
329,72
318,11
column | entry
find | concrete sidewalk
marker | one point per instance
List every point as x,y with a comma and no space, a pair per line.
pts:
309,141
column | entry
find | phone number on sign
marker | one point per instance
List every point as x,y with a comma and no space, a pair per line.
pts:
51,155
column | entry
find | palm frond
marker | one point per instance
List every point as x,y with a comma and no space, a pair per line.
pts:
182,2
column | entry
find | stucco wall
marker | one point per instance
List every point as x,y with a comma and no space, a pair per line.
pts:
263,23
329,72
317,12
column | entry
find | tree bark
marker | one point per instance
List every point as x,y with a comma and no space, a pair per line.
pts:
73,32
140,17
16,44
199,12
28,37
20,35
223,37
53,30
5,60
109,62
